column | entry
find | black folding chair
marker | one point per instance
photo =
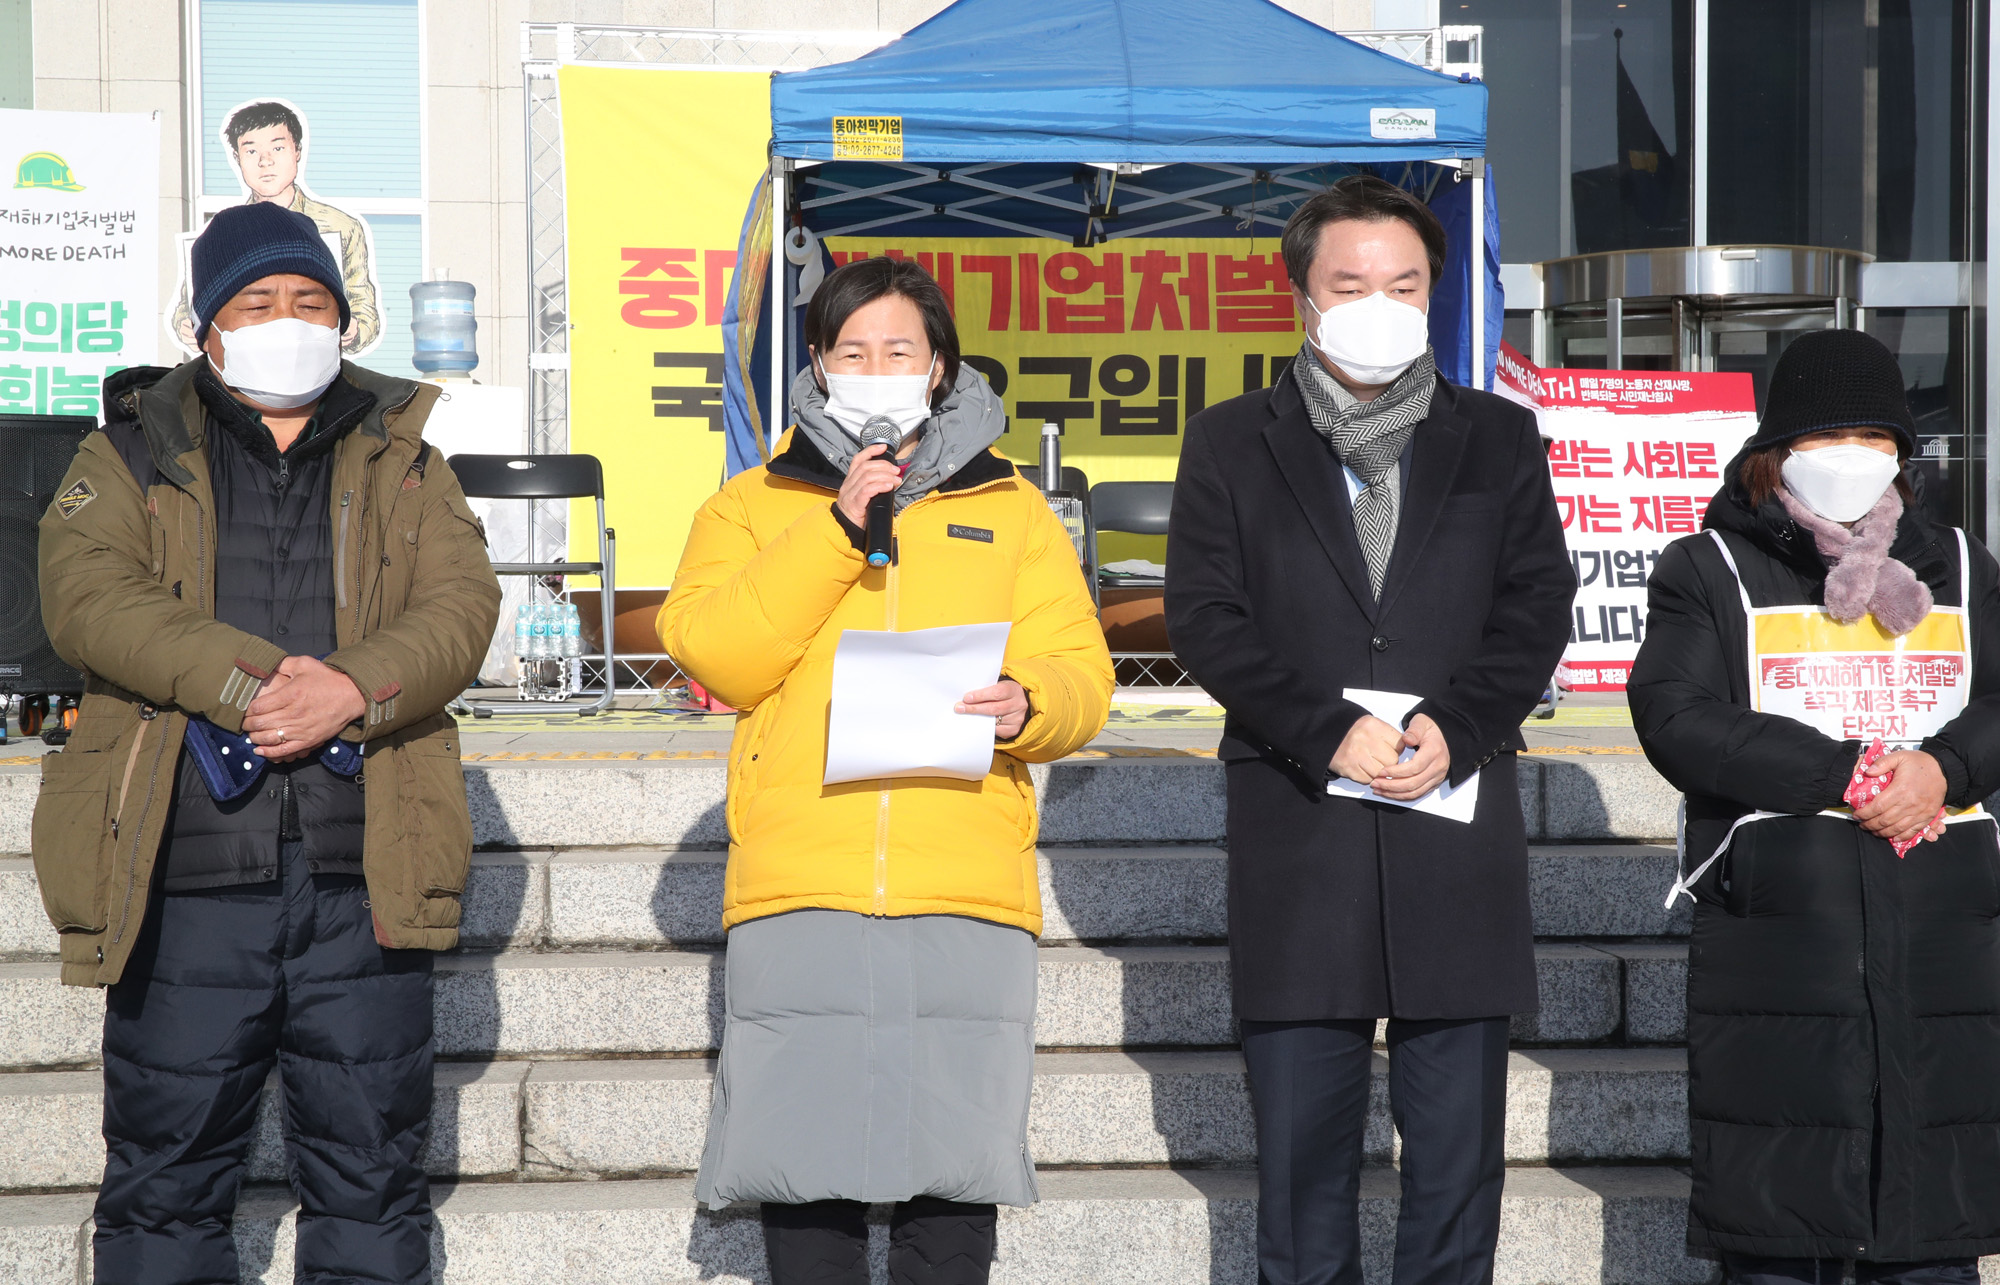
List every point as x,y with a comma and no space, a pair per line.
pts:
1136,508
549,477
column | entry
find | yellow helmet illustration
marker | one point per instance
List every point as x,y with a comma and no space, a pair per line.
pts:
45,169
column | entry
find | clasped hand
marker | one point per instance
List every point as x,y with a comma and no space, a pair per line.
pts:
1370,750
301,707
1911,806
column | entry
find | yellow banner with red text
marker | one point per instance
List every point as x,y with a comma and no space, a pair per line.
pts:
1120,343
657,166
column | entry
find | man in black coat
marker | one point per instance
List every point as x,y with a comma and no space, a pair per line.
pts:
1362,525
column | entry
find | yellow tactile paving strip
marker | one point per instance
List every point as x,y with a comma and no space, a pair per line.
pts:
657,756
589,756
1534,751
645,756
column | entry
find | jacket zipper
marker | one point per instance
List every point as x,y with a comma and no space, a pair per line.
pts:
340,552
361,602
145,810
201,558
882,806
131,762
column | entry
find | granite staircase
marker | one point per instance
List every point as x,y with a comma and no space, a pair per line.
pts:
577,1026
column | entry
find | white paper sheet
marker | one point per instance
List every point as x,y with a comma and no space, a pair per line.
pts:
894,697
1454,803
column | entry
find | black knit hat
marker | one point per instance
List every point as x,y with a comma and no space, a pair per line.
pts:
1835,379
245,243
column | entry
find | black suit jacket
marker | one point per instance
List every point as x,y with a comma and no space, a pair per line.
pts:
1340,908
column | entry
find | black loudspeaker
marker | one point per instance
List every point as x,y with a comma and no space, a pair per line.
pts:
35,452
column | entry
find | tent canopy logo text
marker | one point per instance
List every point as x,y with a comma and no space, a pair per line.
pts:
1402,122
868,138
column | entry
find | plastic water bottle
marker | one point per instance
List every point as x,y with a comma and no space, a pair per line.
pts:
572,649
521,626
445,331
538,630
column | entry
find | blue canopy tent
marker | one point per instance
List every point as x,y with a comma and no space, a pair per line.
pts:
1093,120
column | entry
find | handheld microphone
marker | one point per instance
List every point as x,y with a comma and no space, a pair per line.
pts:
880,430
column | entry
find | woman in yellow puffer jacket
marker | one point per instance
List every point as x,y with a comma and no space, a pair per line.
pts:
880,990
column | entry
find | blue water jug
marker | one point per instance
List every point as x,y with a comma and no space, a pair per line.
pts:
446,334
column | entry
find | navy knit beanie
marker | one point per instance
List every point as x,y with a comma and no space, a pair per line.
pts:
1835,379
245,243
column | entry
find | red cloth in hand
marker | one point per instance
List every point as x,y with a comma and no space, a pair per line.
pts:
1863,788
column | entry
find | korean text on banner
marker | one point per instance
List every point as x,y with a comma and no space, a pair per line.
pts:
79,256
655,167
1120,343
1635,456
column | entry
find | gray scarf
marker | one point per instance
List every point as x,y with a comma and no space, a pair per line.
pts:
970,420
1369,438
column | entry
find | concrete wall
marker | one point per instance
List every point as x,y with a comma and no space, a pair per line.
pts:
478,191
121,56
130,55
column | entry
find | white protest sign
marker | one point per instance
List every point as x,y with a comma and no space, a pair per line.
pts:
79,255
1635,456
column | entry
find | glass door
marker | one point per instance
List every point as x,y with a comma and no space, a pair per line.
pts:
1751,340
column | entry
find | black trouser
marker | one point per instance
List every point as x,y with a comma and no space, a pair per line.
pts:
931,1242
1448,1094
1747,1269
222,984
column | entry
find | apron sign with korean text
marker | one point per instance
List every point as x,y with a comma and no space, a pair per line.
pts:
1853,682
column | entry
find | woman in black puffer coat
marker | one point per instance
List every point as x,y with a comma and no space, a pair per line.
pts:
1843,1002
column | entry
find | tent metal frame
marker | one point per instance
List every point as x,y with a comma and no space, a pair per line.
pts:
545,46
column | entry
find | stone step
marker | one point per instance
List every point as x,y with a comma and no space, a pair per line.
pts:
51,1126
650,897
1621,1225
528,1004
1101,797
623,1117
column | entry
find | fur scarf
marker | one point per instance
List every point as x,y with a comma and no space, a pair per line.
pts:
1861,577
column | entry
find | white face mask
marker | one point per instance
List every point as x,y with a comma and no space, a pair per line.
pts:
853,400
1374,339
1840,483
282,364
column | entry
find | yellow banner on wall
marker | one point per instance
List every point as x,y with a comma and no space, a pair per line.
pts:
657,168
1120,343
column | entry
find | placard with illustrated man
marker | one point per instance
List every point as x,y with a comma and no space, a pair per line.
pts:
266,139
